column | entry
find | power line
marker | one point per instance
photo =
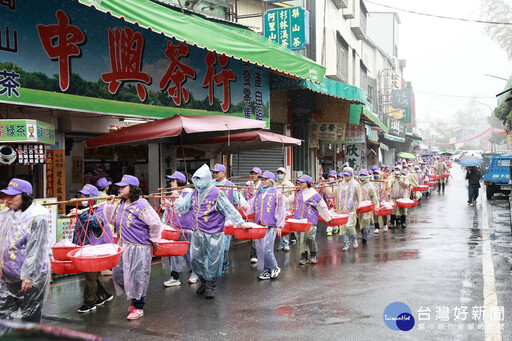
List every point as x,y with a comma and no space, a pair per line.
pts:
442,16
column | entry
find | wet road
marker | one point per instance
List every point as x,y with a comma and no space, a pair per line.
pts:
443,261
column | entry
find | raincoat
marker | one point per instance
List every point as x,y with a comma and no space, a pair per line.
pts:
207,204
24,252
369,192
139,226
398,188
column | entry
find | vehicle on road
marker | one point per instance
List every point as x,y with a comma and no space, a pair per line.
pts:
497,178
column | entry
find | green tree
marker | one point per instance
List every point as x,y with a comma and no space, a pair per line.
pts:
499,11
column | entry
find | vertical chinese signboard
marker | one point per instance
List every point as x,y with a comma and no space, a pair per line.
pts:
56,176
355,146
119,64
288,27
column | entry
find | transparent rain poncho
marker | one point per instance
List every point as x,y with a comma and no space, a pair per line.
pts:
24,249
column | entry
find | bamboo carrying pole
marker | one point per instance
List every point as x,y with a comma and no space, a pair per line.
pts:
74,200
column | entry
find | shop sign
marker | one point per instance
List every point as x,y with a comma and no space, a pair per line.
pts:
26,130
31,154
77,171
356,155
56,176
356,133
120,67
327,131
289,27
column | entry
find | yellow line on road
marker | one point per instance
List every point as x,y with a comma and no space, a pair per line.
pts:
493,327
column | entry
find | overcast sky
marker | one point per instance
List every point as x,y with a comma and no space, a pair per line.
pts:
447,57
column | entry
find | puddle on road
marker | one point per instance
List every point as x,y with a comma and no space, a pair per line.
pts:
398,255
319,312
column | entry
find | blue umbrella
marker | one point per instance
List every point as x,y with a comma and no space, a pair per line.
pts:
469,162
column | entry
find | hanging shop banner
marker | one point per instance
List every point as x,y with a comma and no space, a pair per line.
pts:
327,131
25,130
356,133
356,155
56,176
75,57
288,27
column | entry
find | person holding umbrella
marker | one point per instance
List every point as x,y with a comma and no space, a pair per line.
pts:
474,176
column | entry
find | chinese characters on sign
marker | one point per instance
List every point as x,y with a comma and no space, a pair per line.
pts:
356,133
395,83
56,173
288,27
29,154
356,155
26,131
327,131
460,317
77,171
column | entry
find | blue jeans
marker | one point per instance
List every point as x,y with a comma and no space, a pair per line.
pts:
473,192
283,241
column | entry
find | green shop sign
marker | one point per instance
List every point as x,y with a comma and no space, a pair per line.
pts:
31,131
288,27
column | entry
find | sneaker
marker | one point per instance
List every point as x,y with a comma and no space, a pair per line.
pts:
385,228
403,225
264,275
131,308
85,308
336,230
172,283
303,261
106,273
376,231
313,260
275,272
201,289
193,278
355,244
280,248
102,301
209,294
286,248
345,248
254,260
135,314
329,233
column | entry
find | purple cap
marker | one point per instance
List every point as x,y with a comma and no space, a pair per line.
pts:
345,173
17,186
128,180
89,190
340,174
219,168
268,175
102,183
305,178
375,167
333,173
178,176
363,172
256,170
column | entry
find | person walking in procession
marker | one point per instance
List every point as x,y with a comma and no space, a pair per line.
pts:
139,230
253,185
369,193
398,188
287,188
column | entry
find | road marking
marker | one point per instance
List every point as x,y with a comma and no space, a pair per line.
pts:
493,330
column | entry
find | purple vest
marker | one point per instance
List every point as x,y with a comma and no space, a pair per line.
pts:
13,244
307,209
180,220
106,234
131,228
207,218
265,207
229,191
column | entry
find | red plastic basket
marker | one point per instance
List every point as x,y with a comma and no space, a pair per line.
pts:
253,233
171,234
116,238
245,215
285,230
420,188
445,175
340,219
228,230
95,264
366,206
63,267
60,253
383,211
405,204
299,227
430,183
434,177
171,248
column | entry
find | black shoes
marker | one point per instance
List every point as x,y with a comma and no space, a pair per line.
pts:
85,308
102,300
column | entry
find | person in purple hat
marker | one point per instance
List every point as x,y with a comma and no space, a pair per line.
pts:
380,187
90,229
234,196
25,264
269,208
253,185
398,188
210,208
331,203
139,231
178,264
308,205
369,192
103,186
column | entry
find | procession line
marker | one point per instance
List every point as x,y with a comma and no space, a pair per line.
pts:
493,331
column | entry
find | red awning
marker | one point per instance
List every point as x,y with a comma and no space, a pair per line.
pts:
251,140
171,129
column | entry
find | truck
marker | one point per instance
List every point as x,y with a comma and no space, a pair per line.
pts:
497,178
